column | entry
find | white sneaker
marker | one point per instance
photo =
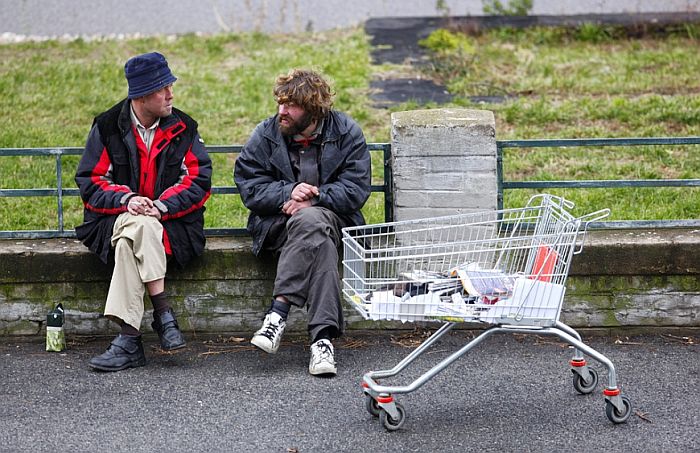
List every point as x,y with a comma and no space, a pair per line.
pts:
269,336
322,358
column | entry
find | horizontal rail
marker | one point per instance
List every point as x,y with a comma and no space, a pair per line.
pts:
602,183
578,142
595,184
73,151
59,192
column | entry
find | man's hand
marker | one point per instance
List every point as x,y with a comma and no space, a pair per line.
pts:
304,191
142,206
291,207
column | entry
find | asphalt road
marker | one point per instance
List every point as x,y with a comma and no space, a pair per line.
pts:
511,393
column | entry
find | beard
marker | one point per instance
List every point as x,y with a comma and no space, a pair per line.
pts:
295,126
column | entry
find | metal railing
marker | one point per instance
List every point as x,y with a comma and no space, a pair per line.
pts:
608,183
60,192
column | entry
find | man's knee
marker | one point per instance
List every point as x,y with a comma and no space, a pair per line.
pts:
145,220
146,225
137,229
308,219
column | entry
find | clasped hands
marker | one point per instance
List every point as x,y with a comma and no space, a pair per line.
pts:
139,205
300,198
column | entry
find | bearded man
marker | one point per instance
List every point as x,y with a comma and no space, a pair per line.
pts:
304,174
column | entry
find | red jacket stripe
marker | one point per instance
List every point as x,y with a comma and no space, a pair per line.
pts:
100,175
192,164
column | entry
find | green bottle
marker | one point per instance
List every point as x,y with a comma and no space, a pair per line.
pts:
55,337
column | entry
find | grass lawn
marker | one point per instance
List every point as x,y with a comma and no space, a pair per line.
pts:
590,82
559,85
53,90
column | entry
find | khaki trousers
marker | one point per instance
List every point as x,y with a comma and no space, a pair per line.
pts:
139,258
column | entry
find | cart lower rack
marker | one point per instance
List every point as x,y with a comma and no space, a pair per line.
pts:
504,268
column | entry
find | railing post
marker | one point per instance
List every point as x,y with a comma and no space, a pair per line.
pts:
499,174
388,186
59,188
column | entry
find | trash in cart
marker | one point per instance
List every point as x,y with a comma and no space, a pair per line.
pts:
506,268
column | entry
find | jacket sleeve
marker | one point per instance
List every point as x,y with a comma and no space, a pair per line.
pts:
351,188
262,191
94,179
193,187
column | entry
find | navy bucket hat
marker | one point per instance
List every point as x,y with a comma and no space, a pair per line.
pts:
147,73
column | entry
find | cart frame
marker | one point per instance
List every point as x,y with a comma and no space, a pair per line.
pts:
377,257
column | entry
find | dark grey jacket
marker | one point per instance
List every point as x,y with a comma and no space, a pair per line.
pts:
265,179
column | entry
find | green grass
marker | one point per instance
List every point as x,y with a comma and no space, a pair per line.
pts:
587,82
52,91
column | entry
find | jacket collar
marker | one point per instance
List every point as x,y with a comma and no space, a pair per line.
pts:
165,123
168,128
331,132
330,160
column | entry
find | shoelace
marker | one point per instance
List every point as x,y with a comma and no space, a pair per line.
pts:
270,331
324,352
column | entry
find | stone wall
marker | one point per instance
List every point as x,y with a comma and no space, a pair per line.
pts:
631,279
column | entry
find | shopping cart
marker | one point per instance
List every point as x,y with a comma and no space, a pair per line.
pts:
506,268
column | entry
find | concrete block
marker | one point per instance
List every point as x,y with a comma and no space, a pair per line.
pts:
445,202
443,160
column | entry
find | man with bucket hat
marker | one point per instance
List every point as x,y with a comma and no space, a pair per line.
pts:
144,178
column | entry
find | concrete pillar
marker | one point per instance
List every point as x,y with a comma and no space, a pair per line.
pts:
444,162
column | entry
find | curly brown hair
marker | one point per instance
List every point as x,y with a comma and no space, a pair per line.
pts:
307,89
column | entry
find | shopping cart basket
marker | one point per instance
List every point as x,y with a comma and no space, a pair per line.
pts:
506,268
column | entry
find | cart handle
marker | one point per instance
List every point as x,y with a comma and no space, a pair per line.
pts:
554,199
595,216
587,220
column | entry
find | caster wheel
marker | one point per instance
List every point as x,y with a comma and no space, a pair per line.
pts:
616,416
392,424
584,387
372,406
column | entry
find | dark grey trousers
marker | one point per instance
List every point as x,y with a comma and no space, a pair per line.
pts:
307,269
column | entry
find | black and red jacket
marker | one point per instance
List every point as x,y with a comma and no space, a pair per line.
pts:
176,174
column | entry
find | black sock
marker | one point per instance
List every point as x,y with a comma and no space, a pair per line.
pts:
129,330
325,334
160,303
280,308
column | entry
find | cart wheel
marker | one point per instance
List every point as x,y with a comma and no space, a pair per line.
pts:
584,387
372,406
392,424
616,416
